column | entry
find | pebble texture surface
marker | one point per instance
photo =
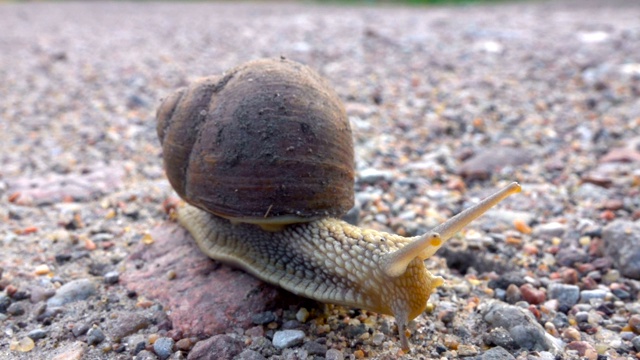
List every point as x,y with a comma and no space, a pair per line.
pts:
447,104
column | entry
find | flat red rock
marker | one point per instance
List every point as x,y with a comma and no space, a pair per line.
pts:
206,297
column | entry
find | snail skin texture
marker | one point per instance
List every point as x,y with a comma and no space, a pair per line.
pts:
246,204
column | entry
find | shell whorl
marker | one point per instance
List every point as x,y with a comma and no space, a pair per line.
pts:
268,139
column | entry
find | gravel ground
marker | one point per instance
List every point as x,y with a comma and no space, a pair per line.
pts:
446,103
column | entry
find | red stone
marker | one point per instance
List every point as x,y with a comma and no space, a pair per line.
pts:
569,276
589,283
623,155
583,348
206,297
86,185
532,295
533,310
585,268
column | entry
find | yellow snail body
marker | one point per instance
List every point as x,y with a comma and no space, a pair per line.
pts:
263,155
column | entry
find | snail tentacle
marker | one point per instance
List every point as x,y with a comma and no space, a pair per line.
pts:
424,246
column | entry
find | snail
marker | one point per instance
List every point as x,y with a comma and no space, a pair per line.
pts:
263,157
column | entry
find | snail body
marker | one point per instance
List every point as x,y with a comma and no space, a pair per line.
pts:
263,156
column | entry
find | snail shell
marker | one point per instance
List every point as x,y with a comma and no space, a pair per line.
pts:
267,142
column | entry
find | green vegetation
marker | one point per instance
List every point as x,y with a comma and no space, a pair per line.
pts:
411,2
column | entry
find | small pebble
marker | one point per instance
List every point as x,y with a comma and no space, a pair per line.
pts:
127,323
163,347
62,258
522,226
263,318
621,239
223,346
20,295
636,343
333,354
569,276
5,301
446,315
513,294
377,338
23,345
467,350
15,309
621,294
611,276
571,255
355,330
95,336
145,355
571,334
171,275
290,324
10,290
287,338
39,294
526,333
551,329
152,338
496,353
184,344
532,295
373,176
595,275
249,354
72,291
560,321
112,277
255,331
80,329
567,295
584,349
74,351
587,295
42,269
314,348
499,337
139,346
634,323
302,315
36,334
582,316
550,230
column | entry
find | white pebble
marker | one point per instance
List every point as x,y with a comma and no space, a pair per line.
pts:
287,338
302,315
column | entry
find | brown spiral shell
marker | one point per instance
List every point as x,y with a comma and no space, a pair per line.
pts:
267,139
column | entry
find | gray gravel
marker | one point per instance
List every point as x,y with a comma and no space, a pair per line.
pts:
621,244
287,338
75,290
163,347
522,328
567,295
